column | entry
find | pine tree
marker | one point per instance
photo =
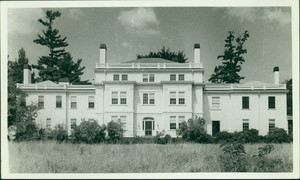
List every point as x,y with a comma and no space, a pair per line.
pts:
231,60
53,66
166,54
16,67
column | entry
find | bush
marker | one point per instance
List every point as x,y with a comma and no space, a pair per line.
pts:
26,131
278,135
115,131
88,132
194,131
58,133
233,158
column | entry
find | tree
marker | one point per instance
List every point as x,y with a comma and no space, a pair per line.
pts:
18,111
231,60
289,96
166,54
115,130
58,64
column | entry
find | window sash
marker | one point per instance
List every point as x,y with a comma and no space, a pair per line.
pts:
172,77
181,77
172,122
145,77
271,101
41,101
181,100
73,102
73,123
145,98
58,101
91,102
151,78
245,102
48,123
124,77
123,99
116,77
114,97
114,118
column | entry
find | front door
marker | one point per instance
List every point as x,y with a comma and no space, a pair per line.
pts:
215,127
148,128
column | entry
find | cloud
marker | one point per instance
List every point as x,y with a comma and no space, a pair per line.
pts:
74,14
24,21
142,21
276,14
252,14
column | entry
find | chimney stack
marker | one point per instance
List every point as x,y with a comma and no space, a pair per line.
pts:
103,54
197,53
276,75
27,74
64,81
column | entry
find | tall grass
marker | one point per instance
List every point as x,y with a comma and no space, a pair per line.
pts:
51,157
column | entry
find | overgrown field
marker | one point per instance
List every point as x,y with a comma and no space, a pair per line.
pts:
52,157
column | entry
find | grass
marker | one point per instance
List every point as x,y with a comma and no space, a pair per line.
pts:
52,157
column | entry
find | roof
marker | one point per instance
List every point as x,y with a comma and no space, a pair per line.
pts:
150,60
47,83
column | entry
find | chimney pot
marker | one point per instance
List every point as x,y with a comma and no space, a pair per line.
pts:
103,57
276,68
276,75
197,53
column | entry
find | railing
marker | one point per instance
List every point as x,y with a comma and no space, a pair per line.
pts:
149,65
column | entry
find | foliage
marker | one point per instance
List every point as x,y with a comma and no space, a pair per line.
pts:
166,54
161,138
88,132
231,60
233,158
115,131
249,136
18,111
58,64
26,131
278,135
289,96
58,133
194,131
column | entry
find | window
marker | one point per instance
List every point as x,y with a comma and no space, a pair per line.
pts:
145,77
114,97
73,123
123,99
245,124
48,123
181,77
151,78
181,98
91,102
116,77
148,98
180,121
245,102
124,77
73,102
172,77
148,78
271,124
215,102
172,122
41,101
172,97
58,101
123,122
114,118
271,102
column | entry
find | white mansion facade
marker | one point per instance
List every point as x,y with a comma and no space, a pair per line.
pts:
153,94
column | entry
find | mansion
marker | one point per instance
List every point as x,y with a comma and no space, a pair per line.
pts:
149,95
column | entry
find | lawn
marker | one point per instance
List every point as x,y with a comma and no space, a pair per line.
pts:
52,157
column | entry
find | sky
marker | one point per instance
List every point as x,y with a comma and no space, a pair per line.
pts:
138,30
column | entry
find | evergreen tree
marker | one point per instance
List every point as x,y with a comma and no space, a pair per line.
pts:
289,96
231,60
166,54
53,66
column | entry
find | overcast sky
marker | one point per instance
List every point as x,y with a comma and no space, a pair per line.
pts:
131,31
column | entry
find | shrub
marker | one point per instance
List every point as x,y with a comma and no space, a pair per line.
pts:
115,131
26,131
58,133
278,135
194,131
88,132
233,158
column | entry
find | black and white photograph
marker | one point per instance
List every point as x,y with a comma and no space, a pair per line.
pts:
150,89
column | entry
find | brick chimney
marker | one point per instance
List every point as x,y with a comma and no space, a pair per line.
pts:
27,74
197,53
103,54
276,75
